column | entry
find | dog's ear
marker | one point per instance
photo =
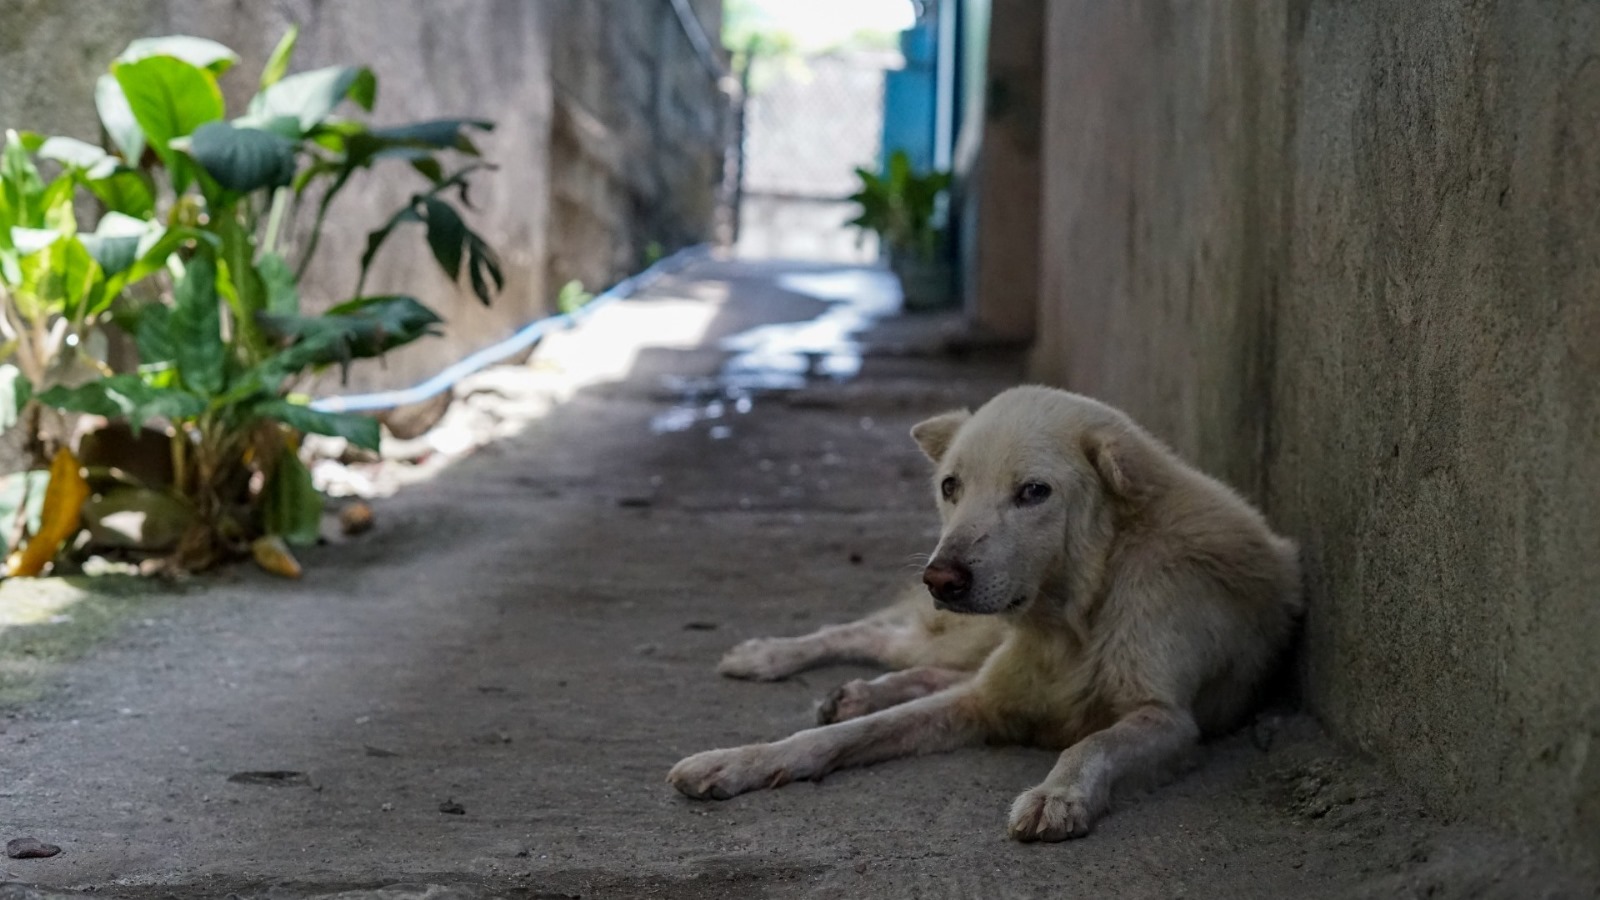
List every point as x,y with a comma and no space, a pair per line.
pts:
934,435
1117,460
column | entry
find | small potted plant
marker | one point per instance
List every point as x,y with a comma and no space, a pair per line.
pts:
901,206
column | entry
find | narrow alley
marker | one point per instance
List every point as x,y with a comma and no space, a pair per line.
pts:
482,696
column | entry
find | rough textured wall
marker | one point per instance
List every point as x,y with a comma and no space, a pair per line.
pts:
1345,255
512,61
1001,252
1436,414
637,146
1164,126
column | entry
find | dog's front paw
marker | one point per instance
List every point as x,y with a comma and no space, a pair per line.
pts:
761,659
850,700
1048,814
720,774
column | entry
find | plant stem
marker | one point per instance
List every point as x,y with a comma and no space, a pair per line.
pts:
280,202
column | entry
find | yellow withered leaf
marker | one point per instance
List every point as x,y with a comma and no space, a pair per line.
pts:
272,554
58,522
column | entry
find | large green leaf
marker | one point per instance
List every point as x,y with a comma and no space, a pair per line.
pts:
156,249
363,431
32,240
82,156
361,146
115,242
196,328
278,63
118,119
126,191
447,235
360,329
291,505
243,159
394,314
483,264
125,396
283,294
21,188
56,203
312,96
170,99
61,279
152,334
196,51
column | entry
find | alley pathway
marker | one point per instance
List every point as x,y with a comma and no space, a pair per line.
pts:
485,693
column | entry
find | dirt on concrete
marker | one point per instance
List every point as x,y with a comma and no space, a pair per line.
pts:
481,696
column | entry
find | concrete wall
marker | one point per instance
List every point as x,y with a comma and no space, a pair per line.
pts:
1344,253
999,194
637,140
527,65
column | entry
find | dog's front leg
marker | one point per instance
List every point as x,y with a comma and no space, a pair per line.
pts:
933,724
1144,742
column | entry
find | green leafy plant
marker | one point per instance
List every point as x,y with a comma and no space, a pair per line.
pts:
572,297
901,206
201,206
56,282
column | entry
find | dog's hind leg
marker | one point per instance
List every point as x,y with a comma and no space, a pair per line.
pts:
1145,742
909,633
857,698
884,638
944,721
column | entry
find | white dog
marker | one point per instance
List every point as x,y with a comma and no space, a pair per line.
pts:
1116,604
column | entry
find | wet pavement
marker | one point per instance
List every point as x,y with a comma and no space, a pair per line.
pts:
481,697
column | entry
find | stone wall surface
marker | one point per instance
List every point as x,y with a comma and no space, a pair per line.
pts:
637,137
1001,202
1345,255
646,170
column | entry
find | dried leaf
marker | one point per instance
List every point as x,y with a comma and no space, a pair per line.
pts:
272,554
355,518
63,505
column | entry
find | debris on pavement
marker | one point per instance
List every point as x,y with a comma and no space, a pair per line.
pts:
272,554
30,848
271,778
452,808
355,519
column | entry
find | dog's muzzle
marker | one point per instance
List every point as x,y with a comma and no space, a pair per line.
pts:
948,582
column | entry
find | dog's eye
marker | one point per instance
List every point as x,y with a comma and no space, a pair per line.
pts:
1032,493
948,488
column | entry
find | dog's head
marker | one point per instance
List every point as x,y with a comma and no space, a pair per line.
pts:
1027,488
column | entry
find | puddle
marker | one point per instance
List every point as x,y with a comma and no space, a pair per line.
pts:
786,356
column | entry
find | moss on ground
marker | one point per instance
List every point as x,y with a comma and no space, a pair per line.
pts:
45,622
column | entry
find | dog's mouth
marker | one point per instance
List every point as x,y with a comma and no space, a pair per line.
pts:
1015,604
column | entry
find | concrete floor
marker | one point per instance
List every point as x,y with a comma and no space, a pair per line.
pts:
530,637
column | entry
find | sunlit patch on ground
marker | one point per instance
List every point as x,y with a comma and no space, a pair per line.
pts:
48,621
503,401
36,601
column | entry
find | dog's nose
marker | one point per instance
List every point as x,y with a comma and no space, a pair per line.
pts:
948,582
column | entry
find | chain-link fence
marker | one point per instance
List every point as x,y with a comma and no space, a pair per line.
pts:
809,122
